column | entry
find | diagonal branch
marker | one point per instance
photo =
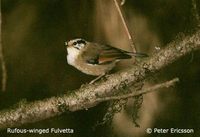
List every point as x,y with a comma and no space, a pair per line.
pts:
86,96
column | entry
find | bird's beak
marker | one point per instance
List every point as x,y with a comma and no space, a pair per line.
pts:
66,44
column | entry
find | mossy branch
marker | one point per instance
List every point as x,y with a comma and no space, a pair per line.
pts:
87,95
140,92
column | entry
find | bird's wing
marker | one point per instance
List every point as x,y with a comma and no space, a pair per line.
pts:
109,54
103,54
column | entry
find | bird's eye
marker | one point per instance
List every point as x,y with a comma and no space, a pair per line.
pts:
74,43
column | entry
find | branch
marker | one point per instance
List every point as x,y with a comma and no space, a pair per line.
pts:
86,96
145,91
125,24
3,66
195,12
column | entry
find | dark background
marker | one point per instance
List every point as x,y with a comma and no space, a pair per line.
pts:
33,36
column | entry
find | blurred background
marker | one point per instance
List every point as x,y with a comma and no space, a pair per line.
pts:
33,36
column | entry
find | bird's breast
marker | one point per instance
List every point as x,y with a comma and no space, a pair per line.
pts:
72,56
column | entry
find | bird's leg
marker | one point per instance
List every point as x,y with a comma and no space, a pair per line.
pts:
96,79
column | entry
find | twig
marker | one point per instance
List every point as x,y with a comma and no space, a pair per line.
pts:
125,25
145,91
122,2
3,66
86,96
195,12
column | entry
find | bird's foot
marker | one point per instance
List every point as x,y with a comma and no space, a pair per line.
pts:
96,79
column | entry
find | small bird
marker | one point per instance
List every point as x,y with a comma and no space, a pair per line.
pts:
93,58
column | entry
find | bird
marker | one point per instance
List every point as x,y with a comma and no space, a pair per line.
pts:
95,59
